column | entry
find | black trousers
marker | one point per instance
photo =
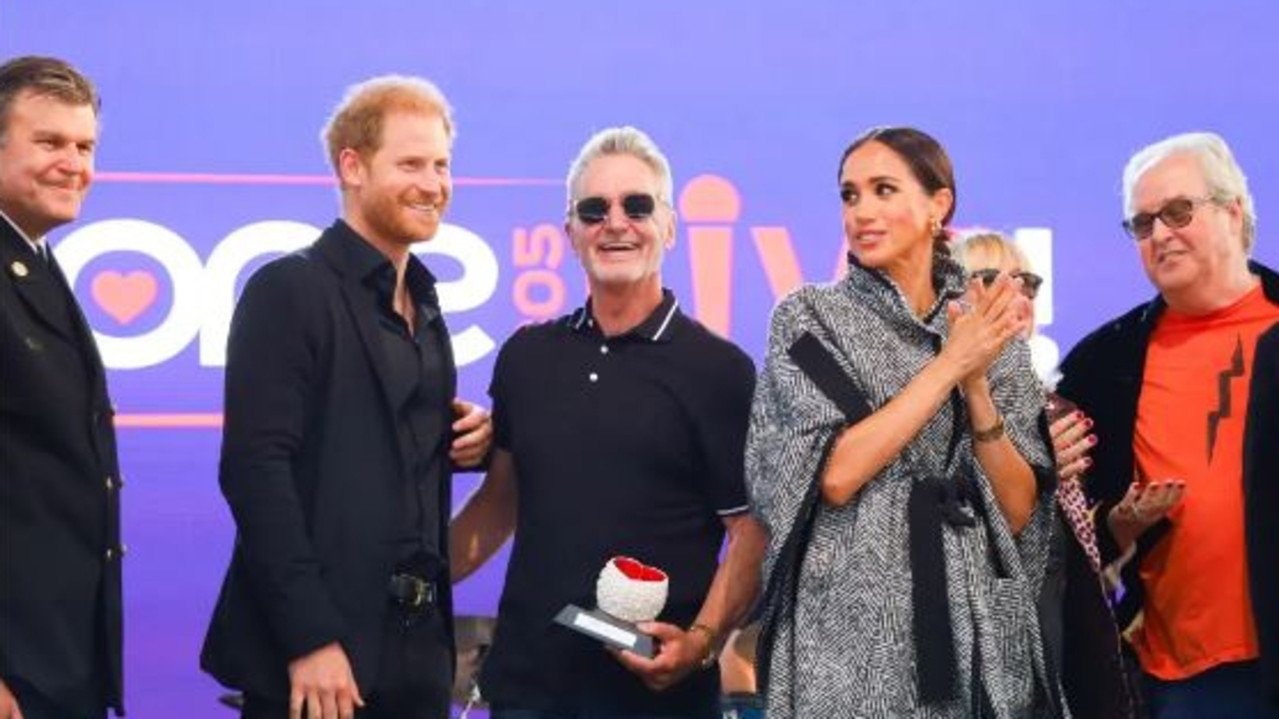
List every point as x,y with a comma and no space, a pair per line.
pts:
35,705
415,676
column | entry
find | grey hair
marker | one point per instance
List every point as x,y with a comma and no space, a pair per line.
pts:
622,141
1225,179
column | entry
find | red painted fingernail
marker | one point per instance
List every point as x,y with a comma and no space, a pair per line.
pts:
1087,461
1092,440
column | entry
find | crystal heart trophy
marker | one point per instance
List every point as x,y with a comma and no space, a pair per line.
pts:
627,592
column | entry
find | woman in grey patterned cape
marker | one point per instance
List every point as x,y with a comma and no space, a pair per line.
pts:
908,589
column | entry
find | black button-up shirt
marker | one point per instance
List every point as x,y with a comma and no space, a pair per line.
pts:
416,384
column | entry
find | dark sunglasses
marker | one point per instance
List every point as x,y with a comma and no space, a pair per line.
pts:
1030,281
594,210
1177,212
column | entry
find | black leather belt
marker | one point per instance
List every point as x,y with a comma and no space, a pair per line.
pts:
412,592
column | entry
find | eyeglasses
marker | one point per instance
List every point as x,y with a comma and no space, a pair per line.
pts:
1177,212
594,210
1030,281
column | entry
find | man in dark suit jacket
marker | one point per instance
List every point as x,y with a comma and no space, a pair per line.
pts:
60,606
341,435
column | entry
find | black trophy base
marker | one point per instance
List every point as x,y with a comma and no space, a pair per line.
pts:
601,625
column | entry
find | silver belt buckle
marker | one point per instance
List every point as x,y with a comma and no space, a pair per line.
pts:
421,592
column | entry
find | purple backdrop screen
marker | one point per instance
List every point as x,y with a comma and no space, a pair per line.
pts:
210,165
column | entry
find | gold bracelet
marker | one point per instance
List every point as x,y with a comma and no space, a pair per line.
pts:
707,661
992,434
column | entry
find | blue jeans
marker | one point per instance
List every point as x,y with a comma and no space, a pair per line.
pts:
741,706
1228,691
585,714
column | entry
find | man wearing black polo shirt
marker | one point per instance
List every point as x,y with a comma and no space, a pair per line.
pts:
619,431
341,434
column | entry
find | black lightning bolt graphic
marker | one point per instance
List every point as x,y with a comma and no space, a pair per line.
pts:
1223,394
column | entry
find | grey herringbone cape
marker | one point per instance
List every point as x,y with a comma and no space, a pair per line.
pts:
844,647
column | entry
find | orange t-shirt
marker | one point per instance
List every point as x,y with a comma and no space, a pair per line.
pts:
1190,426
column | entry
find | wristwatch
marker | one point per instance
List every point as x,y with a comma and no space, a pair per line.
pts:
712,655
992,434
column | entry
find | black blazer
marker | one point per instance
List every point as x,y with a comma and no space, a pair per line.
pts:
1261,501
313,469
60,603
1103,375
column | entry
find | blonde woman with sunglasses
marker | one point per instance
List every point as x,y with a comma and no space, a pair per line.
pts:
1078,625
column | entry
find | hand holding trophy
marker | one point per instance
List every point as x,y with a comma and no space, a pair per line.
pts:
626,593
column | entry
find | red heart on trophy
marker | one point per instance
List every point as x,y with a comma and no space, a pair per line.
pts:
630,590
638,571
124,296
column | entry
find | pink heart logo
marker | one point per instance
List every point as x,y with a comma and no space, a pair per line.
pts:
124,296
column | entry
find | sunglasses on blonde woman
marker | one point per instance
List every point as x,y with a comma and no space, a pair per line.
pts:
1030,281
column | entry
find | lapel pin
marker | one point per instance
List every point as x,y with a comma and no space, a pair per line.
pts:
18,269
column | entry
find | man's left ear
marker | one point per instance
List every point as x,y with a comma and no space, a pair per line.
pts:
670,230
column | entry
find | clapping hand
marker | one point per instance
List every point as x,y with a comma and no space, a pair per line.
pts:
982,323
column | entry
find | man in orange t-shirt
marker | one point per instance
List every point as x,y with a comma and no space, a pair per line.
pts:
1178,389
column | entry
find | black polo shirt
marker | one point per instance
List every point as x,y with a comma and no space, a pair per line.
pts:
630,445
415,382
